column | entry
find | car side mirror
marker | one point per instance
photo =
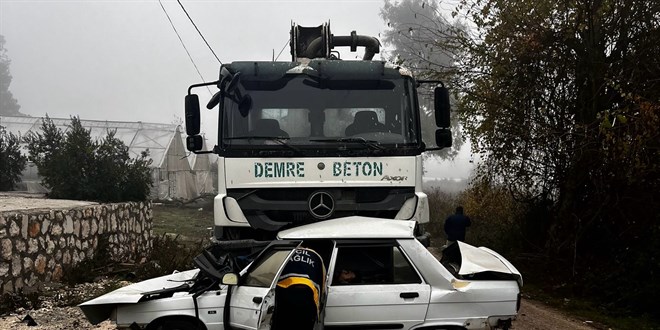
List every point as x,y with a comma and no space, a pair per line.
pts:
442,107
443,138
230,279
192,114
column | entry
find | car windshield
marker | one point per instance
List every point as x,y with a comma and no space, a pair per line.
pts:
310,113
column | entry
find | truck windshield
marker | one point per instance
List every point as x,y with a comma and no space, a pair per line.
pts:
317,115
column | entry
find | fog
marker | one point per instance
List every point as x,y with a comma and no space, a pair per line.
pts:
121,59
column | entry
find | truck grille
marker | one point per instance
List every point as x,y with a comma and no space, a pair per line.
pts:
279,207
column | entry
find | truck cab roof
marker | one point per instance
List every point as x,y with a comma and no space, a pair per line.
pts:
322,68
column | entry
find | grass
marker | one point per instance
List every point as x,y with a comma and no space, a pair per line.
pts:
584,309
548,282
190,223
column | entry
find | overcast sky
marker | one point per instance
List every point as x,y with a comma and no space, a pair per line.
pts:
121,60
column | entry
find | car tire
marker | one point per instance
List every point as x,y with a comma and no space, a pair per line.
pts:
177,324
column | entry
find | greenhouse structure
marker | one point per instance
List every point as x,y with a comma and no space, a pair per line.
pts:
178,174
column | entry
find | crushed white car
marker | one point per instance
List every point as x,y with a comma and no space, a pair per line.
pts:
399,284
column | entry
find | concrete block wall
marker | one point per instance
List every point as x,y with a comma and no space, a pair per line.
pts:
36,245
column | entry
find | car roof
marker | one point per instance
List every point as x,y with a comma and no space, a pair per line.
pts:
352,227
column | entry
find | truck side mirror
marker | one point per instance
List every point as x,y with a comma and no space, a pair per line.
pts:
442,108
194,143
443,138
192,114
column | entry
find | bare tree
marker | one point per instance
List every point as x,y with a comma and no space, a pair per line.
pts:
8,104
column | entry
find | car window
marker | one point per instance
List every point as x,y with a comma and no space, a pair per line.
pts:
373,264
263,273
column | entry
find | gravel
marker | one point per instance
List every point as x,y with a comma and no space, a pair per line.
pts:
56,311
55,318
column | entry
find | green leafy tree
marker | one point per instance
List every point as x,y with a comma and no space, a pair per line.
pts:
563,100
77,169
45,151
73,166
12,162
8,104
114,166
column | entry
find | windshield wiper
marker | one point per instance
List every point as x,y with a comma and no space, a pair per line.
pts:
281,140
369,143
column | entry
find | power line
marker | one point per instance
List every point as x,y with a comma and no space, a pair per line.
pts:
198,31
184,46
278,55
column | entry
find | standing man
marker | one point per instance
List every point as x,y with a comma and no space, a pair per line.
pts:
455,226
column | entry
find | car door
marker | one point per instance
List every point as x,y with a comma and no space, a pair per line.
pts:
253,299
386,293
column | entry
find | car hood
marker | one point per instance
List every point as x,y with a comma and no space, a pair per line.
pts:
100,308
476,260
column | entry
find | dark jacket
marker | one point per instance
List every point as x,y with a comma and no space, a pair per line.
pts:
455,227
304,268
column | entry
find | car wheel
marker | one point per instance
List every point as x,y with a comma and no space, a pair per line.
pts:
231,233
176,324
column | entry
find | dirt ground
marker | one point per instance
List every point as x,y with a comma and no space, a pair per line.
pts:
533,315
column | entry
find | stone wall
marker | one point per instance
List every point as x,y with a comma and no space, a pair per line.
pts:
37,244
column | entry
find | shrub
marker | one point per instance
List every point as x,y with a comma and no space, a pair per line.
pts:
11,301
169,254
441,205
12,162
87,270
74,166
496,217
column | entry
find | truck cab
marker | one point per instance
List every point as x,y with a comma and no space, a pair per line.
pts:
317,138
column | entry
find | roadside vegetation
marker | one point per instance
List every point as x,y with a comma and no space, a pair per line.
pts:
178,238
190,222
512,228
12,162
74,166
561,102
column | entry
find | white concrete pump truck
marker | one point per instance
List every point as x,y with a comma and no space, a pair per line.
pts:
317,138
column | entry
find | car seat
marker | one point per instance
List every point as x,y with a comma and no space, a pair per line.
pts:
364,122
268,127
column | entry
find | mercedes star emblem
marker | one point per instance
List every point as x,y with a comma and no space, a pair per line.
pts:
321,205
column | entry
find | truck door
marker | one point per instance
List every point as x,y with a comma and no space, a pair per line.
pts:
253,299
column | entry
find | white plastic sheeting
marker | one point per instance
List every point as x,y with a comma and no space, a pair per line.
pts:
174,177
202,167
